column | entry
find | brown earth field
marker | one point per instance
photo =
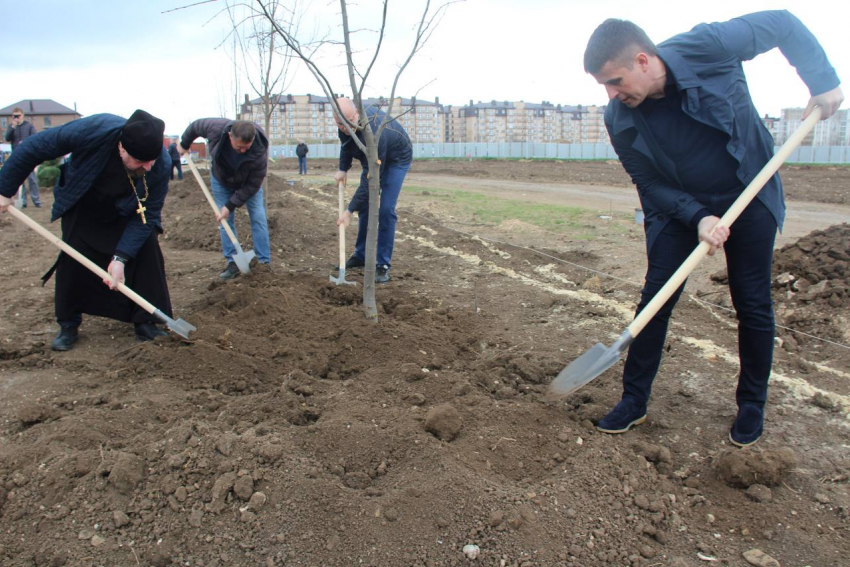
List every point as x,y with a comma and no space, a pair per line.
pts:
289,430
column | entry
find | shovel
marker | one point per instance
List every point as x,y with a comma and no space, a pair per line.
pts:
18,199
179,326
600,358
241,258
341,279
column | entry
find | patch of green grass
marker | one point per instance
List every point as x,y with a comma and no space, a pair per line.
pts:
820,165
580,223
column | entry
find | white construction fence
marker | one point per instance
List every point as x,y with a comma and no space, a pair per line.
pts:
515,150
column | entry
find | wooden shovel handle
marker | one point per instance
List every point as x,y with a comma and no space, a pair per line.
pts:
342,226
731,215
211,201
70,251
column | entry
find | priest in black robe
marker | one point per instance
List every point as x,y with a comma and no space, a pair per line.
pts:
109,198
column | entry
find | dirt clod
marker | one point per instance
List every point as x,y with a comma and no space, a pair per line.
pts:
747,468
127,471
444,422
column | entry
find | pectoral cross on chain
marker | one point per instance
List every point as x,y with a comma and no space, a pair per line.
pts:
141,211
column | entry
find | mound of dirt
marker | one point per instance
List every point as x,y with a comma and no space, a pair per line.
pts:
817,267
191,222
289,430
812,282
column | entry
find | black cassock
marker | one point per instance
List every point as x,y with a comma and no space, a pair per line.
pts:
93,227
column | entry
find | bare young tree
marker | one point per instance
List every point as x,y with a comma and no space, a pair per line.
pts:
227,93
264,59
308,54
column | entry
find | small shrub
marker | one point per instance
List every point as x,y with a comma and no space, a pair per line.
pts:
47,175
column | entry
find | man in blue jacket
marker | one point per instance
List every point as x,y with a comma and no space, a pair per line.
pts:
395,154
685,128
110,198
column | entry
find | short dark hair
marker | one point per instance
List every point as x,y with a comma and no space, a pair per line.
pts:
243,130
615,39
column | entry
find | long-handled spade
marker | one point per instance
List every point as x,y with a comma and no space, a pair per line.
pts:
600,358
18,199
241,258
179,326
341,279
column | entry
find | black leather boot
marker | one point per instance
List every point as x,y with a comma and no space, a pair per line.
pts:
65,339
382,274
230,272
148,332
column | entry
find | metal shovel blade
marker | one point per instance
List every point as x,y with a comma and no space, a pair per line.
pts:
588,366
243,260
179,326
341,279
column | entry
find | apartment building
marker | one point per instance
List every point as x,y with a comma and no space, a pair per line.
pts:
503,121
535,122
294,117
831,132
422,119
310,117
488,122
583,125
454,127
42,113
772,125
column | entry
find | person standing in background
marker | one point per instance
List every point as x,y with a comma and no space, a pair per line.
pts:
175,160
301,150
19,130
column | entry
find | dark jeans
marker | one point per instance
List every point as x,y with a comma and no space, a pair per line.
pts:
391,179
302,165
179,169
749,255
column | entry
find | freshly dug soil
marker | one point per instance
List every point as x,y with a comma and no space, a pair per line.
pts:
288,430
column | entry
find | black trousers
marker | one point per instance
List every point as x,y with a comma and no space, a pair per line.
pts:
749,257
79,290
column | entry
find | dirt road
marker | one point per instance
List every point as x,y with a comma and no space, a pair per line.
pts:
802,217
817,197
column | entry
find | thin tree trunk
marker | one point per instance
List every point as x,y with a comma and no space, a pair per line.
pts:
369,144
370,304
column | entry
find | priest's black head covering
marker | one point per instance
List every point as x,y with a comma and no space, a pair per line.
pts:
142,136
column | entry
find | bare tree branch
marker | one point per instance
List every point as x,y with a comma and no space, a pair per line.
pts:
314,69
357,93
423,33
265,64
361,133
189,6
377,48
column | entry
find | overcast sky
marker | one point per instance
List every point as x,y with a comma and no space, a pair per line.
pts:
115,56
